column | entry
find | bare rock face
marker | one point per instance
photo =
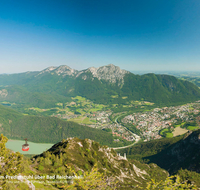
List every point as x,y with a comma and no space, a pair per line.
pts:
65,70
3,93
61,70
109,72
82,153
47,70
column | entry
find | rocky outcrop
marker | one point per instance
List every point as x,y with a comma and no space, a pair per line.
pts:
65,70
3,93
84,154
47,70
61,70
109,73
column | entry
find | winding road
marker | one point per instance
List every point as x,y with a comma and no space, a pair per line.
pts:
122,147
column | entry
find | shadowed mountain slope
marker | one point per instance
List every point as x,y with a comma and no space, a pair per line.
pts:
183,154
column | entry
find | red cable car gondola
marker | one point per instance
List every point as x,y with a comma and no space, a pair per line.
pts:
25,147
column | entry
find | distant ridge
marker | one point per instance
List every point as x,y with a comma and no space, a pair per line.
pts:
61,70
96,84
109,72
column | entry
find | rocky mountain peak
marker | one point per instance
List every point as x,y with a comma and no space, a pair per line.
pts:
109,72
48,69
84,154
61,70
65,70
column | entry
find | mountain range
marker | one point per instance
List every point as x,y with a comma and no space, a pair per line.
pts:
107,85
57,84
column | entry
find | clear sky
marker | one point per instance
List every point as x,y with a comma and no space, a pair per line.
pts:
134,35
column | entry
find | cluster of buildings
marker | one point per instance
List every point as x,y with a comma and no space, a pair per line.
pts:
100,116
151,122
120,131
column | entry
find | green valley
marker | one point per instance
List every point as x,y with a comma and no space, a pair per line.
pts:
118,106
141,117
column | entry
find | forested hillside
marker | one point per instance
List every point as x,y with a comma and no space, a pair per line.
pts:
47,129
45,88
171,154
89,165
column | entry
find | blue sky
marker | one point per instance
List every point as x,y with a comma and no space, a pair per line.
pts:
134,35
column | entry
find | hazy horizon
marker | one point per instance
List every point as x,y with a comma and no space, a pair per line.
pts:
132,71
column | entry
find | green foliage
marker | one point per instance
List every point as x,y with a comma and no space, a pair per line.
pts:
194,79
145,149
86,166
182,154
172,182
45,90
89,180
47,129
78,113
107,129
64,158
190,125
40,168
167,132
189,176
11,164
170,154
23,98
161,89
